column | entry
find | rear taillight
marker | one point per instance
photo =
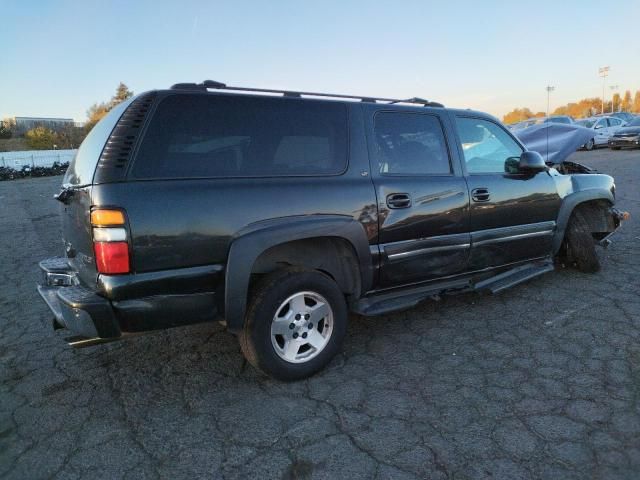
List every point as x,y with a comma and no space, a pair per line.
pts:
110,241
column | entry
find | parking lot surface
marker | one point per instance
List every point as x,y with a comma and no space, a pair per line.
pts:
542,381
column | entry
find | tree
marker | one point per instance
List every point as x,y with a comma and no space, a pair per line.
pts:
636,102
41,138
616,102
122,93
99,110
626,101
517,115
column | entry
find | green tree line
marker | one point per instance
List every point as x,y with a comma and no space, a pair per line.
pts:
583,108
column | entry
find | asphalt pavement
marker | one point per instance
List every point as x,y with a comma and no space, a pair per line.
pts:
541,381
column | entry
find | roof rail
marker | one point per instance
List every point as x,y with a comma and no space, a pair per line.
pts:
211,84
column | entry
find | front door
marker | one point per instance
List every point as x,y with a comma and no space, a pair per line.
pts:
512,214
422,197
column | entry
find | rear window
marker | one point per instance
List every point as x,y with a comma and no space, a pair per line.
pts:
196,136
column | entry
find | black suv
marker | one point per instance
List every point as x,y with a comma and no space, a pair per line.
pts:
280,212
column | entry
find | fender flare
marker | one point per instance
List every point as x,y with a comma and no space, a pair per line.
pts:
569,203
254,239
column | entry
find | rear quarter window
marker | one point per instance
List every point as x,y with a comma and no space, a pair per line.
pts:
204,136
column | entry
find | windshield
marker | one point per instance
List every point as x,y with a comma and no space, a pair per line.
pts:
586,123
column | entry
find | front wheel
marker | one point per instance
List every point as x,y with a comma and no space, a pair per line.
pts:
591,144
295,324
581,249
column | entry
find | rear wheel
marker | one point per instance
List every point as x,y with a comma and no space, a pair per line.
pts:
295,324
590,145
581,249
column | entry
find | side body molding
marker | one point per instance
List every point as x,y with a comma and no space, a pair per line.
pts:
569,203
254,239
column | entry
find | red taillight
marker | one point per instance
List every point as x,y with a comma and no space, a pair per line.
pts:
112,257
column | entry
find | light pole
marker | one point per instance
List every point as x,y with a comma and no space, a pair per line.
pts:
603,72
613,89
549,90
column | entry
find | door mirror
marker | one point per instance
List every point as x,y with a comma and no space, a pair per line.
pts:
531,162
598,126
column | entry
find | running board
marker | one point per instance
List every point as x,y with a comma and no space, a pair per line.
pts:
393,301
514,277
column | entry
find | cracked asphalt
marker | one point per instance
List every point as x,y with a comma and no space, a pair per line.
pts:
542,381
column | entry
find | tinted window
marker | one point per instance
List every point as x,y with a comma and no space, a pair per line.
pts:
614,122
410,144
194,136
486,146
602,123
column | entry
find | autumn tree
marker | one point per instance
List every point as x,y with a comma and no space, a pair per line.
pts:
41,138
626,101
517,115
99,110
636,102
616,102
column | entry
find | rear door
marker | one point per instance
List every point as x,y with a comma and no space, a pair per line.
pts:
601,129
512,215
422,196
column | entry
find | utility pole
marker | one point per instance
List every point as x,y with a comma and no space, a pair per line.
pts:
549,90
603,72
613,89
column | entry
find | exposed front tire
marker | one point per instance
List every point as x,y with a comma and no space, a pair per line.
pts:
295,324
590,145
581,249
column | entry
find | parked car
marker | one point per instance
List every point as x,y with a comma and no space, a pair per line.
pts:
522,125
281,214
627,136
603,128
557,119
624,116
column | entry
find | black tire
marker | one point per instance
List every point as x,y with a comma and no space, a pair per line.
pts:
581,249
590,145
267,299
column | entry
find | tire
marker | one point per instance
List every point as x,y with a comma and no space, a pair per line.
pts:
590,145
581,249
286,298
615,148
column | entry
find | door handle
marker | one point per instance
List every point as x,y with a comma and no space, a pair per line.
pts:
480,195
398,200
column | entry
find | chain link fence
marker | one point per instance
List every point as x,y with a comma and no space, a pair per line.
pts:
35,163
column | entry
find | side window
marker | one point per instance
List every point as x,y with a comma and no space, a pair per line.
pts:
486,145
614,122
602,123
204,136
410,144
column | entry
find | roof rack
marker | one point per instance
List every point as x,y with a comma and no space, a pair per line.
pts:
211,84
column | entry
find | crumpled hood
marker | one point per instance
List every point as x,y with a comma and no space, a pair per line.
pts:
554,141
627,131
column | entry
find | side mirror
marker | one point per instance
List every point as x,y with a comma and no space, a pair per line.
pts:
531,162
598,127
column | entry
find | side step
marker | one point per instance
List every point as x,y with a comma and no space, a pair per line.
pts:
401,299
382,303
514,276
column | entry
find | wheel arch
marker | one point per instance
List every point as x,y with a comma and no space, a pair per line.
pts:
587,200
296,241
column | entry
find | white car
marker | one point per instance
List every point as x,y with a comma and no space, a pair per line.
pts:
603,128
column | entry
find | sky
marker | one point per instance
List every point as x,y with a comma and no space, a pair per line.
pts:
59,57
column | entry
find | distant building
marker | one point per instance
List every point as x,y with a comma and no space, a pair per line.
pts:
23,124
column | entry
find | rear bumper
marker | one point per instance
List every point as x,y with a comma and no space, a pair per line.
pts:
136,303
75,307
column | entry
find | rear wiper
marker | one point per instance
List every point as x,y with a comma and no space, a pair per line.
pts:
65,194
